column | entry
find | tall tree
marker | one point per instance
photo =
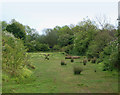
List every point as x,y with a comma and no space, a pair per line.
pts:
17,29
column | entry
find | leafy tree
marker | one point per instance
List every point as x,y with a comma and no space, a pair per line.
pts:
17,29
51,37
99,43
65,40
42,47
65,36
84,34
4,25
109,55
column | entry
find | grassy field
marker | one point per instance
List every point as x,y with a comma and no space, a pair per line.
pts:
50,77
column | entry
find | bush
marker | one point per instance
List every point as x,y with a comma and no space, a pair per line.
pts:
31,66
77,70
84,61
67,49
56,47
109,56
45,47
93,60
63,62
14,57
72,60
30,46
89,59
99,43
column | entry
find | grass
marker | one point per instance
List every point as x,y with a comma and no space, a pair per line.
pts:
50,77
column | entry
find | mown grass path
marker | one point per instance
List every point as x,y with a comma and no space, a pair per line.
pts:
50,77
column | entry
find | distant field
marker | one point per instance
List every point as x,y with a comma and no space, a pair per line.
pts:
50,77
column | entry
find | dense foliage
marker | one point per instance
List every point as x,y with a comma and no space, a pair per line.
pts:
85,39
17,29
109,55
14,57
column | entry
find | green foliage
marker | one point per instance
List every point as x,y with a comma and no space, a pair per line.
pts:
30,46
4,25
56,47
68,49
51,37
110,56
14,57
42,47
65,40
65,36
5,77
98,44
17,29
83,39
87,31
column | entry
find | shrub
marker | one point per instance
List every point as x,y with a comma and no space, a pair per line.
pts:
77,70
99,43
56,47
95,71
14,57
31,66
67,49
30,46
63,62
84,61
109,56
72,60
98,61
93,60
42,47
5,77
89,59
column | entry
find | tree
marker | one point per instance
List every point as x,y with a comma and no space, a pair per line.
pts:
109,55
99,43
65,36
84,34
51,37
17,29
4,25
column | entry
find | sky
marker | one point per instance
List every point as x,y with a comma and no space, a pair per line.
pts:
42,14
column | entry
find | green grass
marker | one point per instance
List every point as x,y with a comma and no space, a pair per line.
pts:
50,77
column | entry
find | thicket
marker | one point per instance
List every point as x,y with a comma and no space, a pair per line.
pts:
109,56
14,57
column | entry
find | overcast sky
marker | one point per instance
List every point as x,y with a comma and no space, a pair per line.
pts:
40,14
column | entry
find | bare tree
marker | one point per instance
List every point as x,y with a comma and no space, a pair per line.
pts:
104,22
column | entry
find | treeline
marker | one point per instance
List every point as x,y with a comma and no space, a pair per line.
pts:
84,39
